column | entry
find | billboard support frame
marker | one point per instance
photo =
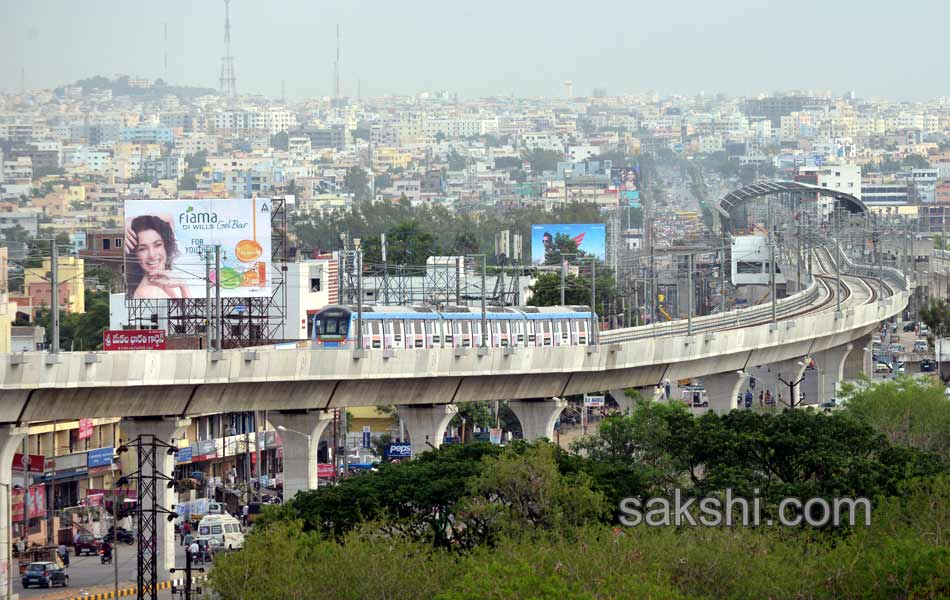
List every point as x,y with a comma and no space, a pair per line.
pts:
244,321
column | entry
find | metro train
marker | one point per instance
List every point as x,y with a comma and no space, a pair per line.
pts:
452,326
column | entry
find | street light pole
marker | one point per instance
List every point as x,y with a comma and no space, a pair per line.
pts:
54,296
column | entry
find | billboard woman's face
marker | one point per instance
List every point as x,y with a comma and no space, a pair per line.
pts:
150,251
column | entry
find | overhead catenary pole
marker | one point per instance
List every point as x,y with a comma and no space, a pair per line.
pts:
217,298
358,255
485,337
593,300
208,319
771,244
689,294
563,277
54,297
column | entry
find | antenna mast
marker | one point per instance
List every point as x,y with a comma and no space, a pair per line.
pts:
228,80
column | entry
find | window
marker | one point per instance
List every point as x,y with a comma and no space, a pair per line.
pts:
748,267
314,284
118,242
216,530
204,530
106,244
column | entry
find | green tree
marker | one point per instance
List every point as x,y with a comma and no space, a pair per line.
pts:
543,160
357,183
279,140
197,161
188,181
909,411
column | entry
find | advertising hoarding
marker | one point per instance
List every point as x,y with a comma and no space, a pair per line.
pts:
37,502
166,242
33,462
101,457
591,238
398,450
133,339
85,428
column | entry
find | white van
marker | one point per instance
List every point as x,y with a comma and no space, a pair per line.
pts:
224,528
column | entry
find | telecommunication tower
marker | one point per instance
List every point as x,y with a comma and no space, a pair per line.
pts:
336,65
228,79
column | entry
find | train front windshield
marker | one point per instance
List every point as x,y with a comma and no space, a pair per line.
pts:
333,326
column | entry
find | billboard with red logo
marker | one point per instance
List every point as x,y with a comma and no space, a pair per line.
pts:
37,502
34,463
133,339
85,428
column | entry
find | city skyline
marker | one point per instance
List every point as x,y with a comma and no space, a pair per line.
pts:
496,49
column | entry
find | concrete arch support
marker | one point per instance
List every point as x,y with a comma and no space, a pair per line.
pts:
165,430
537,417
11,437
858,361
300,433
426,424
722,389
830,364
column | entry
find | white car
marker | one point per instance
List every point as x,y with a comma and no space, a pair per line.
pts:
882,368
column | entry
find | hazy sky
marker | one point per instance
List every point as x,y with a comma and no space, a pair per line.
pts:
526,48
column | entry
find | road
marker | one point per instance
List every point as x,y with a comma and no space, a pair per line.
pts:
87,573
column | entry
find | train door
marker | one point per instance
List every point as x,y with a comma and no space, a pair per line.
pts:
572,324
418,333
476,333
546,332
566,332
518,332
387,327
466,333
437,334
556,333
398,332
582,331
374,339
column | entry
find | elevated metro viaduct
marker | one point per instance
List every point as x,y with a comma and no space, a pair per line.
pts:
157,392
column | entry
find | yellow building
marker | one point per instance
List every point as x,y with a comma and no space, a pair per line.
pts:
385,159
72,298
7,308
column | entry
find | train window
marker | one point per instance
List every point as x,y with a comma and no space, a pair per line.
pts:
334,326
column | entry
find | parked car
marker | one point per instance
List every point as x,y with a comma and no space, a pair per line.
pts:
125,535
895,348
86,543
921,346
882,368
910,325
898,367
928,366
44,574
924,330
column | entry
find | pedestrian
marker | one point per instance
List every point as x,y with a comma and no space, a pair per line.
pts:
761,398
187,539
244,513
748,399
63,552
768,397
185,530
666,389
194,550
752,382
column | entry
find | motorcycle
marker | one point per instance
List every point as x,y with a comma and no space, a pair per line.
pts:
124,535
105,558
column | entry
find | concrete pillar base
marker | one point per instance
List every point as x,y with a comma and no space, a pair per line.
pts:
830,364
426,424
11,438
722,389
165,430
537,417
300,451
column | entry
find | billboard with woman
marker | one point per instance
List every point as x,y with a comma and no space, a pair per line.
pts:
166,242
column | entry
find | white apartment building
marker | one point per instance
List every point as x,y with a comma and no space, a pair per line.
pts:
535,140
839,177
582,153
271,120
